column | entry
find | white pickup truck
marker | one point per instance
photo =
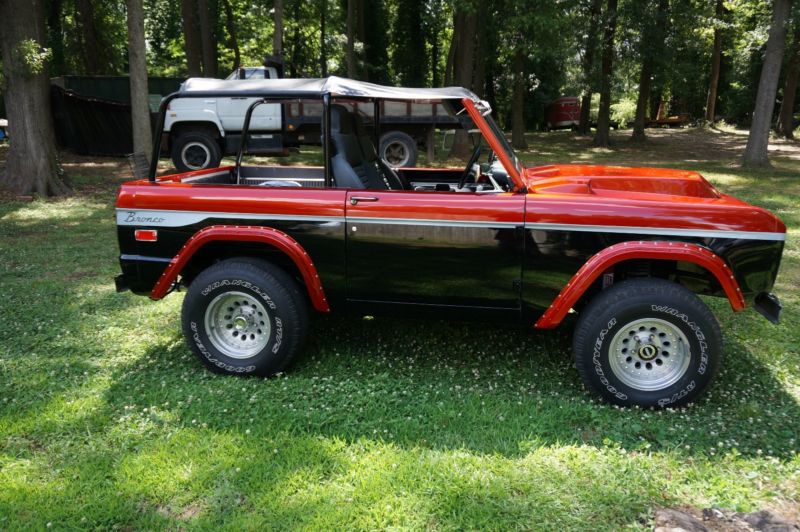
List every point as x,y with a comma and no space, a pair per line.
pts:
199,132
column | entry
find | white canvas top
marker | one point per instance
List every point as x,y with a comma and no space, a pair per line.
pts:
335,86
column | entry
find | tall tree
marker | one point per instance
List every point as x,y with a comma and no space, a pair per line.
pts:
464,28
410,59
94,49
518,104
191,38
786,114
587,65
277,36
230,26
137,60
323,51
350,53
755,154
650,50
32,164
601,136
207,18
373,33
716,61
55,37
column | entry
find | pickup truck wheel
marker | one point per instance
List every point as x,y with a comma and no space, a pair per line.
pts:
195,151
647,342
244,317
398,149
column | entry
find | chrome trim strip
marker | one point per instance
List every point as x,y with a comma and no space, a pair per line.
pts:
145,258
170,218
436,223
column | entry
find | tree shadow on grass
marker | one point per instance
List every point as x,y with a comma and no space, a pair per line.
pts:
453,386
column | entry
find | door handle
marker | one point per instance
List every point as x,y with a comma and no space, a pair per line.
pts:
355,199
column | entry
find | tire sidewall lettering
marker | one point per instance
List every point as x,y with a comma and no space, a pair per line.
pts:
597,361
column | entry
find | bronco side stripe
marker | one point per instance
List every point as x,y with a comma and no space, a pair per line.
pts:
169,218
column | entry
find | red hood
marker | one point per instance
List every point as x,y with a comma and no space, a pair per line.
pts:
646,192
618,181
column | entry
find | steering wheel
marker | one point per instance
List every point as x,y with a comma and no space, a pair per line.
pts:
472,160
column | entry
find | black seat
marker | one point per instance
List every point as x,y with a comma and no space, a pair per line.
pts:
355,163
393,180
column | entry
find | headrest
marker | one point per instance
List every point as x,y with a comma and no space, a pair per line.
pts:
341,119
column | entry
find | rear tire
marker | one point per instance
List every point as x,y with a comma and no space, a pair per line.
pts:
647,342
195,150
245,317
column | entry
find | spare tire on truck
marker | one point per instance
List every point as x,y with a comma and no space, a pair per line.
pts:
195,150
398,149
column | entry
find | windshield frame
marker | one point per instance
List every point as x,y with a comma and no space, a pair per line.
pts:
498,142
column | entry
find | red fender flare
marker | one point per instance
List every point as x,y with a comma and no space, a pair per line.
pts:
246,233
606,258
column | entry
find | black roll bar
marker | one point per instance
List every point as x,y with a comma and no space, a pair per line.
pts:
376,120
162,111
326,138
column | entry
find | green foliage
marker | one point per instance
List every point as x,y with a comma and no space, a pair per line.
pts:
31,57
624,112
407,42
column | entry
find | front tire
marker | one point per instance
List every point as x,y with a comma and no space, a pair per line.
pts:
244,317
647,342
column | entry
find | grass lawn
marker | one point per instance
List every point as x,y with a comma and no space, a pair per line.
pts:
107,420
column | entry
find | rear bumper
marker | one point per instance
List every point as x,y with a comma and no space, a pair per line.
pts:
769,306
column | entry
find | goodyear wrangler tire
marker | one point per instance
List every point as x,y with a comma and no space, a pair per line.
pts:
647,342
244,317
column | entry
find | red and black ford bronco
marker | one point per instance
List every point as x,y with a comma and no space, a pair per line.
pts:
627,249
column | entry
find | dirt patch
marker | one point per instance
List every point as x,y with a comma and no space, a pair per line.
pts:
691,519
182,514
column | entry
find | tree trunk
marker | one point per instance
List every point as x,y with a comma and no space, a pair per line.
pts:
755,154
32,165
230,25
601,136
191,38
786,114
463,68
350,54
479,73
208,44
323,55
587,62
55,39
137,60
518,115
716,59
93,50
451,58
277,36
651,47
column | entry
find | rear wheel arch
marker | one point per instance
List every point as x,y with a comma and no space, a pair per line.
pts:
245,242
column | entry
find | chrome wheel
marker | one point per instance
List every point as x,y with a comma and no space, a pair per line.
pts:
649,354
396,154
196,155
237,324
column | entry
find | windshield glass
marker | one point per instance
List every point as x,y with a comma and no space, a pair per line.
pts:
503,142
